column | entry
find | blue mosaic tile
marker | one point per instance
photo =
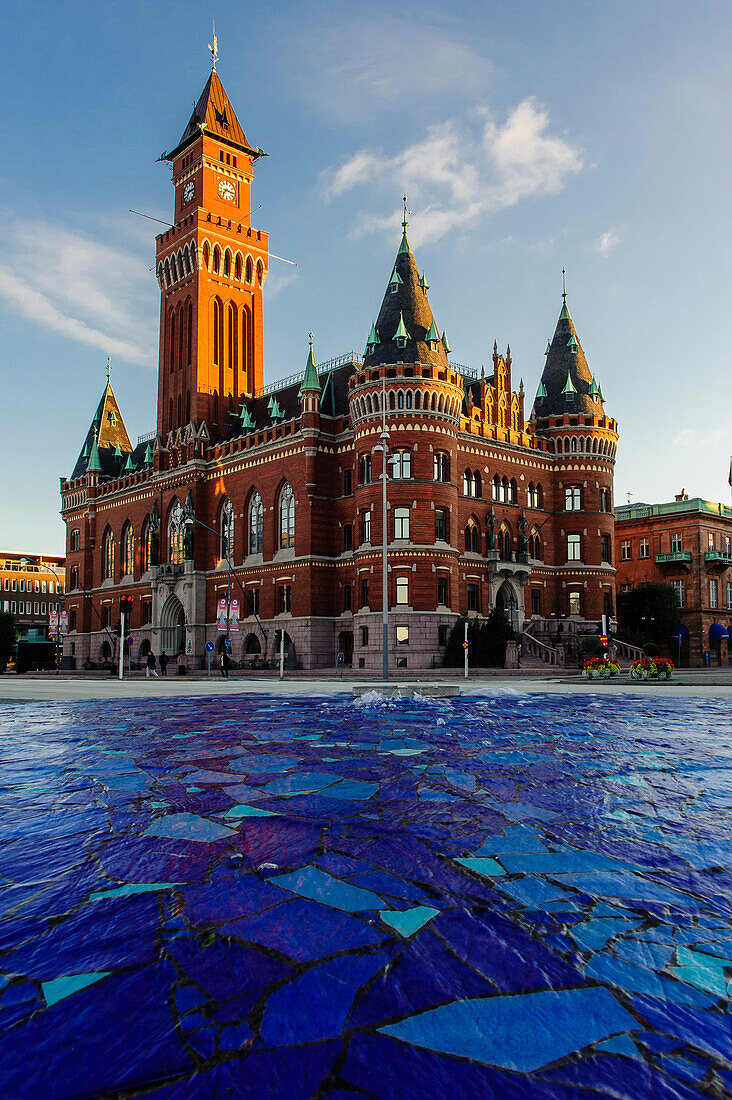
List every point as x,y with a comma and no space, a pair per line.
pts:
312,883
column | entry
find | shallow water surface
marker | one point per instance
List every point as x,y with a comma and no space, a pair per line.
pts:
505,897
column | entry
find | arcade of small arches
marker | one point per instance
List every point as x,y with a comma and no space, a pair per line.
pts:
584,444
398,400
218,261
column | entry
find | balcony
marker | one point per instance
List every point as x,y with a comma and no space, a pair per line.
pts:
718,559
676,557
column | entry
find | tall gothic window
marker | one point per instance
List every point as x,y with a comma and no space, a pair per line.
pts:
256,524
108,555
128,551
146,546
175,534
287,517
226,528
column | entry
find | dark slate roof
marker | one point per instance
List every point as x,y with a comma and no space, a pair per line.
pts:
333,400
215,113
110,431
561,361
409,302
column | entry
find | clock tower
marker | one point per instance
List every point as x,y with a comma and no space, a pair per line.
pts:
211,266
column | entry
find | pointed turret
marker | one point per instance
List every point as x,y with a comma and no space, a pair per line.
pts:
214,115
311,380
405,319
94,466
566,375
108,432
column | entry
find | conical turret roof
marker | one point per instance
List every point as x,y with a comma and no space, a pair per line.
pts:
566,377
107,431
311,380
215,114
405,306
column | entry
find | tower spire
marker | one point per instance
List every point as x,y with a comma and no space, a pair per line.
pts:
405,222
109,369
214,49
564,286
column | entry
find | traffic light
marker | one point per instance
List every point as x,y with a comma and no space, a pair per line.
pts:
125,604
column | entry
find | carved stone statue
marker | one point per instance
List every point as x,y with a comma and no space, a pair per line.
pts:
522,529
154,536
491,529
186,519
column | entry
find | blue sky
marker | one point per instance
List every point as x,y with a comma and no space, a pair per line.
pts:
528,136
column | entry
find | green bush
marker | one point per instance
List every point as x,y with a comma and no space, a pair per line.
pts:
651,649
487,639
592,646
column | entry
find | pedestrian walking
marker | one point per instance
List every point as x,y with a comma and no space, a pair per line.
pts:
150,669
163,663
224,666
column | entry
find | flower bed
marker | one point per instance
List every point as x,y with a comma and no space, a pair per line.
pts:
600,667
652,668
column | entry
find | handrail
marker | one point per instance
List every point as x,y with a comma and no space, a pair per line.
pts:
282,383
146,437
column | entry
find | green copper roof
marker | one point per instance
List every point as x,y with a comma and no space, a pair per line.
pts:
541,392
245,419
129,466
568,386
593,391
311,380
275,411
401,333
94,465
445,343
564,315
373,337
548,347
572,343
117,452
85,452
423,282
600,394
396,279
404,248
433,335
147,460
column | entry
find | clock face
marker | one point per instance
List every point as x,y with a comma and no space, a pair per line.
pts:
227,190
188,191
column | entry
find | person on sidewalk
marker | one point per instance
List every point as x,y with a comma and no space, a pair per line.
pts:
224,665
163,663
150,669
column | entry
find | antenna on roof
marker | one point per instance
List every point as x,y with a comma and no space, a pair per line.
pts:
214,49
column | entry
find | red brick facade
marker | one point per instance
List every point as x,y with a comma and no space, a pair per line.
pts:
486,507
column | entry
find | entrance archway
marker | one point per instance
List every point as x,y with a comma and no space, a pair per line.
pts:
507,603
173,627
345,646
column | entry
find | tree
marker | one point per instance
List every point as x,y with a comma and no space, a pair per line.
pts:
487,639
648,613
7,638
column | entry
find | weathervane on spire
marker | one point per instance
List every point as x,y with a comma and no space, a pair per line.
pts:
564,285
109,368
214,49
405,223
311,338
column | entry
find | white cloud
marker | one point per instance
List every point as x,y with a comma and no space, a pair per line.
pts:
97,295
687,437
277,281
606,241
454,175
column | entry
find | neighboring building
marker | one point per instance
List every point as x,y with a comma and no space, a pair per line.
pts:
486,507
32,586
686,543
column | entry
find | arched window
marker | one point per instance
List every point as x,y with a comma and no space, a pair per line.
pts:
471,537
409,399
468,483
218,332
232,337
175,534
128,551
256,524
534,545
146,545
226,529
75,540
512,491
504,543
477,485
505,491
189,331
227,263
260,274
287,517
216,258
206,255
400,400
108,555
188,407
249,270
237,266
171,340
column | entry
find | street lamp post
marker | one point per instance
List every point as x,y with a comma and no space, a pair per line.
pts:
383,447
58,620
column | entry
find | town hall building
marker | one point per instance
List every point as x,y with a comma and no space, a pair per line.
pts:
256,508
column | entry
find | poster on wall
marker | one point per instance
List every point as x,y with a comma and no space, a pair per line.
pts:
234,625
63,622
53,621
222,614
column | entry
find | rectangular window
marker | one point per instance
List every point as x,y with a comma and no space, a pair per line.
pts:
15,585
35,609
43,609
713,593
106,615
573,499
285,598
710,539
347,487
21,586
402,635
604,500
440,525
625,553
348,537
366,526
575,603
401,523
364,635
679,590
727,544
605,548
13,606
402,591
364,593
147,611
472,596
729,593
442,634
441,466
44,586
574,548
72,620
535,601
37,586
644,548
365,466
676,544
347,597
401,465
442,593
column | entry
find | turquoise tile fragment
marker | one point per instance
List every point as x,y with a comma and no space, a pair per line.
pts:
483,865
619,1044
592,935
187,827
311,882
133,888
244,810
408,921
59,988
520,1033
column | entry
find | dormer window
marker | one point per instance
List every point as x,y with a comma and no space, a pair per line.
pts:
395,282
401,335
